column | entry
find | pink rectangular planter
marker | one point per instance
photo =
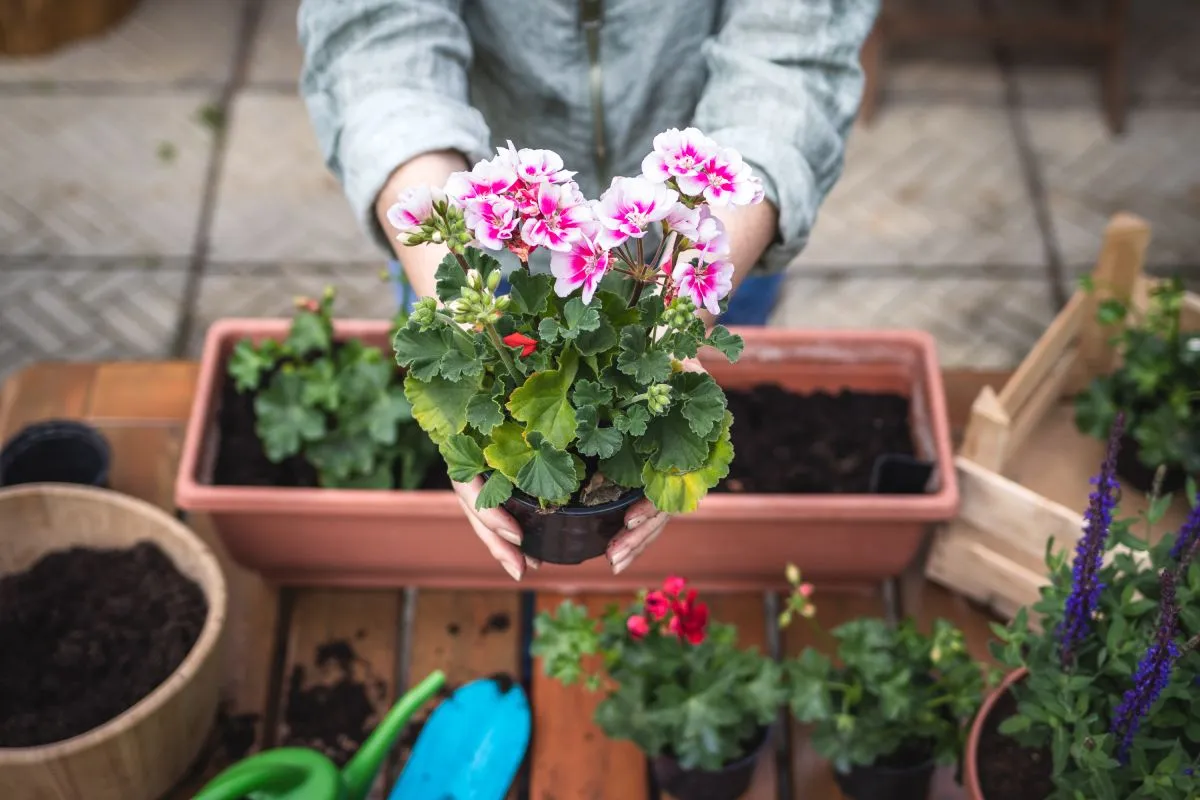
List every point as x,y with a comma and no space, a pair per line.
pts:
734,541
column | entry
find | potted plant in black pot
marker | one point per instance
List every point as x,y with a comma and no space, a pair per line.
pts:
1156,386
567,391
678,686
892,707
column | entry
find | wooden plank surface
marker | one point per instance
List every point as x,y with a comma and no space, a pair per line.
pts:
570,757
45,391
145,391
339,673
467,635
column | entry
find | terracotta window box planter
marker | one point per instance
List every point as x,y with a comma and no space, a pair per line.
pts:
734,541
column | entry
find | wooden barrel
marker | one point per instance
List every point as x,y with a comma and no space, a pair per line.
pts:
145,750
33,27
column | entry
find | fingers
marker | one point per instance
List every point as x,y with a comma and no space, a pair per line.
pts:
639,512
627,546
692,365
497,530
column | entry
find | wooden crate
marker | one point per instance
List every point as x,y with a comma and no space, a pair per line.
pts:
1023,467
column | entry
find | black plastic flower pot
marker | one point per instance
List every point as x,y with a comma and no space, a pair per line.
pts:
878,782
728,783
1131,470
569,534
56,451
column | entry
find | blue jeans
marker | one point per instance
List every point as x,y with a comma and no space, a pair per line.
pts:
751,305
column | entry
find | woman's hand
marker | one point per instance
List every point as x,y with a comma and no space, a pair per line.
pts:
497,529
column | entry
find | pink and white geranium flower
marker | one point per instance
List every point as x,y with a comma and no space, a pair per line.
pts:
582,266
710,238
684,220
724,179
560,212
413,208
535,166
629,205
493,219
703,281
485,178
678,154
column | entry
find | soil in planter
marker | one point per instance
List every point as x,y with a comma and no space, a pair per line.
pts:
1008,771
87,634
242,462
818,443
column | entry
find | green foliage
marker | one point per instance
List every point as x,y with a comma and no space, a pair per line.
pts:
1069,708
338,405
1157,384
602,390
702,703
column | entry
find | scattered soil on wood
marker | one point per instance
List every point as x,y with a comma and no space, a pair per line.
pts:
1008,771
87,634
818,443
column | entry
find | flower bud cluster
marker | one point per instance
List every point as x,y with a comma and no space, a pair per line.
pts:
476,304
658,398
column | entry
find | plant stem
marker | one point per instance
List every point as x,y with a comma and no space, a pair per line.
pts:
641,255
637,292
462,262
505,356
1190,645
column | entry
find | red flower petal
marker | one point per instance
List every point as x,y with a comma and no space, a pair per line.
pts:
637,626
674,585
522,341
657,605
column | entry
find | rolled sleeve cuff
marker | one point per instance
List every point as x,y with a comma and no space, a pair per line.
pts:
387,129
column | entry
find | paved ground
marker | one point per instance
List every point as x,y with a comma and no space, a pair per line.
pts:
166,175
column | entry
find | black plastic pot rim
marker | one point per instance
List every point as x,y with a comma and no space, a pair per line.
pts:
624,501
751,755
928,764
50,430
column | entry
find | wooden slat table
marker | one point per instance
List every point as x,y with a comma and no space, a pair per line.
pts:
317,666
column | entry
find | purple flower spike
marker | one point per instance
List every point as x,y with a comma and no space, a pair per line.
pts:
1189,535
1153,672
1089,553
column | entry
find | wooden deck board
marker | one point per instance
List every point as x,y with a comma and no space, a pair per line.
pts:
45,391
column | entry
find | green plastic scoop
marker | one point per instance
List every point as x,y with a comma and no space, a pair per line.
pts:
297,773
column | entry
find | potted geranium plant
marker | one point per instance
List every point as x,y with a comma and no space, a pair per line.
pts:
1102,699
568,390
1156,386
891,707
677,684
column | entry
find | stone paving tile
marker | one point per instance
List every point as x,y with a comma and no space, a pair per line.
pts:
276,201
101,176
1089,175
929,185
257,290
276,57
986,323
162,41
71,311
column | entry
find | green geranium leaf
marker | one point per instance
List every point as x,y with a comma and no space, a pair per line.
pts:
362,378
248,364
703,401
650,310
678,492
508,451
623,467
382,417
730,344
451,277
541,402
321,385
496,490
672,444
484,413
437,351
310,333
341,453
594,440
283,423
637,360
589,393
378,478
529,292
577,319
633,420
550,473
439,405
463,457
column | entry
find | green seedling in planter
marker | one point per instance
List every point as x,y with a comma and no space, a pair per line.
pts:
894,697
676,684
1112,695
1157,385
338,405
570,387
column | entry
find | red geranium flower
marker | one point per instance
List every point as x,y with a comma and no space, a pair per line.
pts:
690,620
674,585
522,341
638,627
657,605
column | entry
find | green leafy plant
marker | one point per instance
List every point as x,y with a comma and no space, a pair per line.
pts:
339,405
894,697
570,386
677,684
1111,697
1157,385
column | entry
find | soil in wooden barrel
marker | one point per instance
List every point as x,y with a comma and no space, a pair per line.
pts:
86,634
820,442
1008,771
242,462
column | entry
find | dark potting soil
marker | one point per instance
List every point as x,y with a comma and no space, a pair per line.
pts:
1008,771
87,634
242,462
818,443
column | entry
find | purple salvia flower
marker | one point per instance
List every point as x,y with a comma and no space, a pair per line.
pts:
1153,672
1189,535
1089,553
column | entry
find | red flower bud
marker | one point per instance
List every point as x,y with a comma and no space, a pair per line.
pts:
522,341
638,627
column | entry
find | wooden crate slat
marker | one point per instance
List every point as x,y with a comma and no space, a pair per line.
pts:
571,758
339,671
1051,346
969,562
145,391
44,391
467,635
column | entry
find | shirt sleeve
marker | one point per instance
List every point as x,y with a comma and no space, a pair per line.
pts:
783,90
384,81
